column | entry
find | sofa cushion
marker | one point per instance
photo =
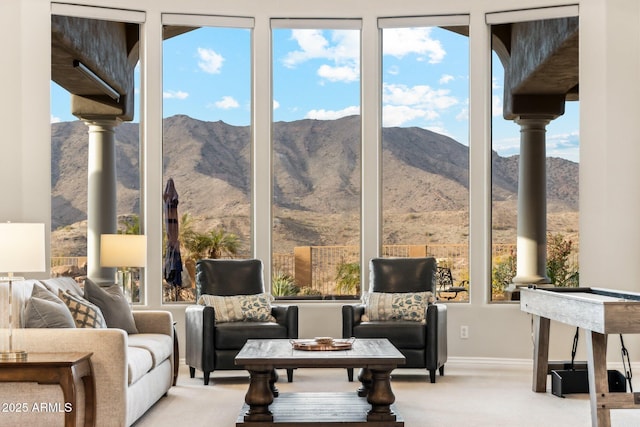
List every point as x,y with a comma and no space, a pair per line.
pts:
159,346
251,308
54,284
139,362
396,306
46,310
114,305
85,314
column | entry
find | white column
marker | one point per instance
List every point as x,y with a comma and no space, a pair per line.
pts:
532,202
101,194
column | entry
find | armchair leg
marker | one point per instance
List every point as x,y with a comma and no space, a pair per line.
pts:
441,369
206,377
290,375
192,371
350,374
432,375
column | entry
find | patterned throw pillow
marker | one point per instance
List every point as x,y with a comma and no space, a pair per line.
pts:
85,314
245,308
396,306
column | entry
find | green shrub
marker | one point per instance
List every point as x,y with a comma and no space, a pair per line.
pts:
348,278
283,285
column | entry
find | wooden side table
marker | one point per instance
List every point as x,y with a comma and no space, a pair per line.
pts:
64,369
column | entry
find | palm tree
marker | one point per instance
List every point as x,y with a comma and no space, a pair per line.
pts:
215,243
222,243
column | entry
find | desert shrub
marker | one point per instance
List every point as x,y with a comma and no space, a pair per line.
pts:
559,268
348,278
283,285
504,270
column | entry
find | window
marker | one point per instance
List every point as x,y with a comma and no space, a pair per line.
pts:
207,143
511,124
425,140
86,103
316,143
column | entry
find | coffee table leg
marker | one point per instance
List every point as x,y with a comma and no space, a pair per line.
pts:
259,395
380,396
365,378
272,383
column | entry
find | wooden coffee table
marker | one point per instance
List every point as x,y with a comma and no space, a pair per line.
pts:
376,357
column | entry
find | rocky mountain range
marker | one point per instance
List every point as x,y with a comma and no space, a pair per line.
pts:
316,168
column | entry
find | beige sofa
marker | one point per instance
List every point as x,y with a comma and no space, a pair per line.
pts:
132,372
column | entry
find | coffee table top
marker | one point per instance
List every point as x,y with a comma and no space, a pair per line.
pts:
280,353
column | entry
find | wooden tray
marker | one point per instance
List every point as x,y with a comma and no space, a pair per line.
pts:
313,345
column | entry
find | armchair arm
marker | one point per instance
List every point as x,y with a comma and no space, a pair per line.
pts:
351,316
200,337
287,316
436,335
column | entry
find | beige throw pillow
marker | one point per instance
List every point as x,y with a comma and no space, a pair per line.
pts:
396,306
240,308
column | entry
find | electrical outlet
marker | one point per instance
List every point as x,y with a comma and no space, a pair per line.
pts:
464,332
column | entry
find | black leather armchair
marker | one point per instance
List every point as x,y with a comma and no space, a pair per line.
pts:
211,345
424,345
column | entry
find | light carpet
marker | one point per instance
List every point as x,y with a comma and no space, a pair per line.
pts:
467,395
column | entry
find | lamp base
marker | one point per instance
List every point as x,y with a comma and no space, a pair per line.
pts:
13,355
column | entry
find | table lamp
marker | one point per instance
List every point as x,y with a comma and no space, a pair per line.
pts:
123,251
22,249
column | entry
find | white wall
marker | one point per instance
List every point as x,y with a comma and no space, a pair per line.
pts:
609,205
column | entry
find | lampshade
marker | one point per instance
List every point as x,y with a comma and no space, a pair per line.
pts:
22,247
123,250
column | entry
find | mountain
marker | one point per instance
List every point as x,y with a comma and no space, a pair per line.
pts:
316,167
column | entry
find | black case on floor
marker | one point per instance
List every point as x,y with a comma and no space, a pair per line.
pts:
577,381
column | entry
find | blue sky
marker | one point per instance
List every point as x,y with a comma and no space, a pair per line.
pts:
316,75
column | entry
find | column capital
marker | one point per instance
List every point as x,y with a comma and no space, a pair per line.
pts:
106,122
540,121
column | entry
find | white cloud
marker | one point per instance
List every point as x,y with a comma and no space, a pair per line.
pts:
276,104
210,61
463,115
332,115
397,115
227,102
337,74
496,106
342,51
175,94
495,85
446,78
506,146
55,119
393,70
399,42
314,45
565,145
419,95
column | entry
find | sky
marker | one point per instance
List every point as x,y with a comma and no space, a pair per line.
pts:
316,75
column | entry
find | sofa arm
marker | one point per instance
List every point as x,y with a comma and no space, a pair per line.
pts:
287,316
351,316
109,361
154,322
